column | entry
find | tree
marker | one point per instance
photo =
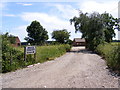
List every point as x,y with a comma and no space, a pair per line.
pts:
8,38
37,35
61,36
95,28
109,22
12,39
5,42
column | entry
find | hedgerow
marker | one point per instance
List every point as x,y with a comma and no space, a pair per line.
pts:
111,53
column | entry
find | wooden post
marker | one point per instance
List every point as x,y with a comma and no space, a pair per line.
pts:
35,56
24,53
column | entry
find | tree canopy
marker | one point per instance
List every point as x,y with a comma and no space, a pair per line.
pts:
37,35
95,28
8,38
61,36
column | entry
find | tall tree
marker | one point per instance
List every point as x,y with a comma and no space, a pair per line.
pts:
95,28
108,22
37,35
61,36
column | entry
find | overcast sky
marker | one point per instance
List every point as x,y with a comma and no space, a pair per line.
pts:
52,15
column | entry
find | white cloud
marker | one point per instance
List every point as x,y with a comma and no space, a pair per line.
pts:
25,4
60,15
9,15
44,19
65,11
20,31
58,19
49,22
101,7
2,5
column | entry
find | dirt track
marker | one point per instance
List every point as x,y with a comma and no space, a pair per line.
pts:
76,69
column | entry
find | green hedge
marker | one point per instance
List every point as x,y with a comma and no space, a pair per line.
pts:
111,52
13,58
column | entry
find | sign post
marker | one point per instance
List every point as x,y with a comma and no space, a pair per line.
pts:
29,50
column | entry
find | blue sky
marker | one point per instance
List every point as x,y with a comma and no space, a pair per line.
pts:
16,16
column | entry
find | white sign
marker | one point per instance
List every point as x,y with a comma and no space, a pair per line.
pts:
30,50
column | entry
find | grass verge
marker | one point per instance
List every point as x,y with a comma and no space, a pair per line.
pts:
111,53
13,58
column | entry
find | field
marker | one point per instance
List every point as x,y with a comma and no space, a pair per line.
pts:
13,58
111,53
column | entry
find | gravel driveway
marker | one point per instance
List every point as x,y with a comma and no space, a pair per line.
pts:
76,69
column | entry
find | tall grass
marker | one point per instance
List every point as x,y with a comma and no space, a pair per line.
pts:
111,53
45,53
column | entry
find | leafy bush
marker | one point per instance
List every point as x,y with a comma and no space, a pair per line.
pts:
111,52
67,47
12,58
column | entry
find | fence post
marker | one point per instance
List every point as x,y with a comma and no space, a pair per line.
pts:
24,53
35,56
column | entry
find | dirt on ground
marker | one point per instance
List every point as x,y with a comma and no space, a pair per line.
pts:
76,69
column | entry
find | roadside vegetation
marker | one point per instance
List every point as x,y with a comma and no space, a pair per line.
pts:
45,53
111,53
13,57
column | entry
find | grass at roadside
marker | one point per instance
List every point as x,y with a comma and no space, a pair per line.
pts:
14,57
111,53
45,53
